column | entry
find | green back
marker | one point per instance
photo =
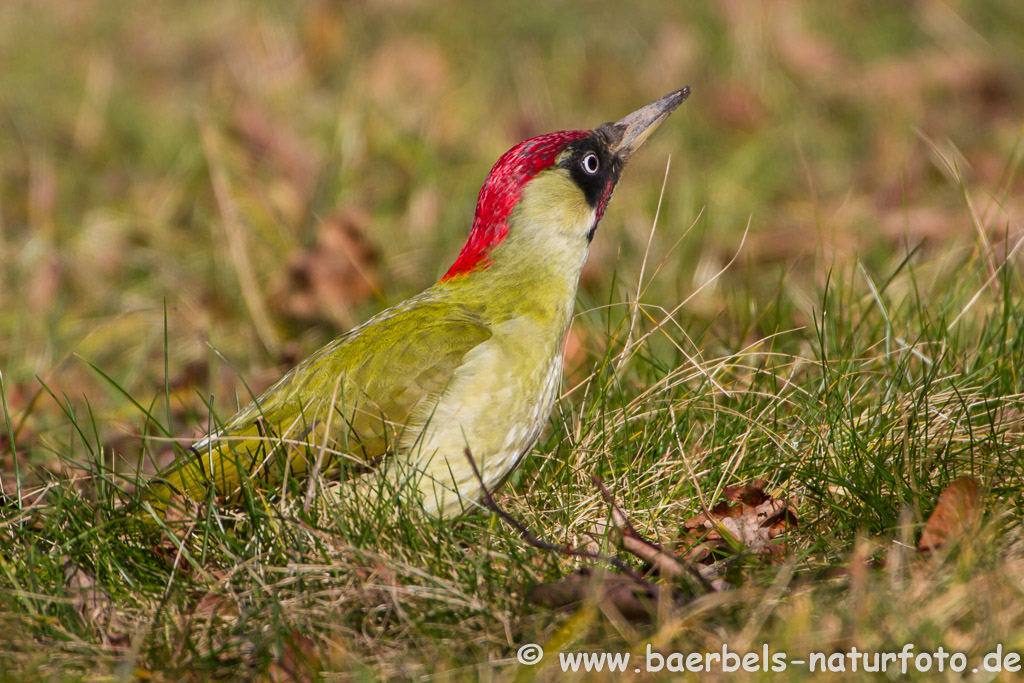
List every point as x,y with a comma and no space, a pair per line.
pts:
376,374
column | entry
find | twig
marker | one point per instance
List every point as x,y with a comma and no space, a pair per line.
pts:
490,503
667,565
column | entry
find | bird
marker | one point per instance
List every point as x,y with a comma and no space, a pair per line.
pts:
473,362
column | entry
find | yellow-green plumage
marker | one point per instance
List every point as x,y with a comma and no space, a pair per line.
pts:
376,375
472,362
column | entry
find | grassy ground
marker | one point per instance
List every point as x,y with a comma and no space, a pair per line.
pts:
195,195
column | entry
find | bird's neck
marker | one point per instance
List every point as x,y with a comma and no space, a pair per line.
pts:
526,276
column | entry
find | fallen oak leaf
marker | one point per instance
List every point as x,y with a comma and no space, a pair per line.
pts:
958,509
745,497
755,528
752,521
752,494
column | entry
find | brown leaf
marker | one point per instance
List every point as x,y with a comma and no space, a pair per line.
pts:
632,599
758,525
94,604
299,660
958,509
213,605
753,519
326,281
751,494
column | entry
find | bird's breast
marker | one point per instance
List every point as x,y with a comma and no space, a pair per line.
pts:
496,404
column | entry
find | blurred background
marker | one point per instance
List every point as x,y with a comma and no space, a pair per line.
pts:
215,189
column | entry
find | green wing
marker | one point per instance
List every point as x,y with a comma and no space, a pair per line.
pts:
343,406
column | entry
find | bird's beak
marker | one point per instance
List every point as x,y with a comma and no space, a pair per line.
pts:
628,134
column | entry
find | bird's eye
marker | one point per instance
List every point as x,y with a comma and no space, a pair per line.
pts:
590,163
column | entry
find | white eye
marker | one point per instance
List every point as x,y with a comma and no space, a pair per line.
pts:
590,164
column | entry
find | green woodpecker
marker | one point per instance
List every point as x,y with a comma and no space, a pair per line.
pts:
475,361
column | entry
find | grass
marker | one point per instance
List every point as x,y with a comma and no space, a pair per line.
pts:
192,198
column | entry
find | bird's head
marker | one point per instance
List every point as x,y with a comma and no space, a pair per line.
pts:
552,190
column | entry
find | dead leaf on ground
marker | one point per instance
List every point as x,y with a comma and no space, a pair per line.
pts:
94,604
214,604
748,515
631,598
326,281
299,660
958,509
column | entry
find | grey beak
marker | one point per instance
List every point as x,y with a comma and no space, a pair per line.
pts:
633,130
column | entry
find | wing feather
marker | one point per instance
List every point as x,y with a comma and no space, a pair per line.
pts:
377,375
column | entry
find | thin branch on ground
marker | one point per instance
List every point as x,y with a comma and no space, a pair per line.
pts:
536,542
667,565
